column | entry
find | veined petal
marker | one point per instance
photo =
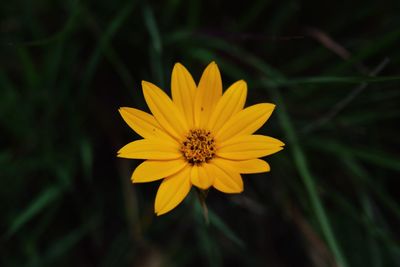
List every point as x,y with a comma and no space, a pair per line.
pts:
208,93
183,90
248,166
231,102
165,111
227,179
199,176
249,147
246,121
172,191
142,123
152,170
151,149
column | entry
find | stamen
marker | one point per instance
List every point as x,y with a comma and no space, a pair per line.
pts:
199,146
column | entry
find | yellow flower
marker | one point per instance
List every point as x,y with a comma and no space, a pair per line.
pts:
201,137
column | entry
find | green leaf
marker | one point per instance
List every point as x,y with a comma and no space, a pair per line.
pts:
45,198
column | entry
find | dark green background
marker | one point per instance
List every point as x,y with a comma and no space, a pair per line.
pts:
332,194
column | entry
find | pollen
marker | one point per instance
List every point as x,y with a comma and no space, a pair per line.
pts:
198,147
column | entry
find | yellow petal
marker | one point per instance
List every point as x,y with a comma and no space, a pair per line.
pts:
249,147
152,170
229,104
172,191
249,166
226,179
207,95
246,121
142,123
199,176
150,149
165,111
183,90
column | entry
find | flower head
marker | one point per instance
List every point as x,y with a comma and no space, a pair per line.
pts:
201,137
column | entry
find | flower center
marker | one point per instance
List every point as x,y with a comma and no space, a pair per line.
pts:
199,146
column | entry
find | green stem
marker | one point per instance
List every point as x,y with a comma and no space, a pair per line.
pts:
202,195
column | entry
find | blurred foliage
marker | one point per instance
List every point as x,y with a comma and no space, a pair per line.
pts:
331,68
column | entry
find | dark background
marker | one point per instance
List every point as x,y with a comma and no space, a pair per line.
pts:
331,198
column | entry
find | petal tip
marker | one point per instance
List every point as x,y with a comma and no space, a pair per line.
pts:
270,105
213,64
243,84
267,107
179,68
278,149
133,179
146,84
178,65
122,110
160,212
121,154
279,142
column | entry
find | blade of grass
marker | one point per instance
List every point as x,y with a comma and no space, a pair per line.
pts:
358,171
370,155
308,179
156,44
376,228
104,41
206,239
375,253
388,40
276,79
61,246
338,107
68,27
336,79
44,199
368,117
218,223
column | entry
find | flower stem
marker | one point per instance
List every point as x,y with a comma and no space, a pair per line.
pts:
202,195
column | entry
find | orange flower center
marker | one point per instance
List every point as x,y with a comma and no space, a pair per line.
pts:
199,146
